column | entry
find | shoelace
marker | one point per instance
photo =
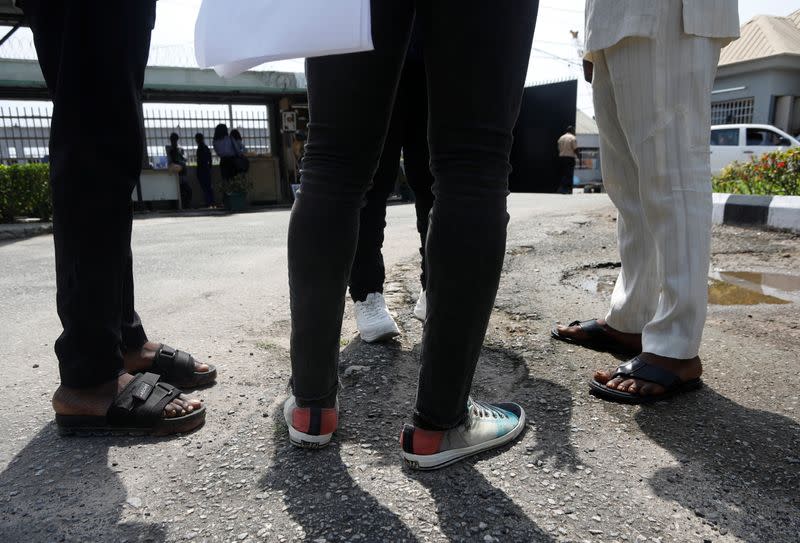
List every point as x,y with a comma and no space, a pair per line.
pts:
484,410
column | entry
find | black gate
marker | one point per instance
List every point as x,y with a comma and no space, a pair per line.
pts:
547,110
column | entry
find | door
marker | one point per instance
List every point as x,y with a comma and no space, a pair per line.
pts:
725,148
763,140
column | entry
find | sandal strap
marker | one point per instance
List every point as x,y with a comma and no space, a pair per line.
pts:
142,402
590,327
171,363
637,368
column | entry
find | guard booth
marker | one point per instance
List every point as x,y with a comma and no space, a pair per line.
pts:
176,99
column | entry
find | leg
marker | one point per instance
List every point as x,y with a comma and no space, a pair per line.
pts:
486,50
367,273
339,164
674,76
635,295
416,156
93,55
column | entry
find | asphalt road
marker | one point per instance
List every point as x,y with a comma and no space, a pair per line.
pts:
721,464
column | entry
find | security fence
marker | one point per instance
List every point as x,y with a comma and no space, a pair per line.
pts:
25,129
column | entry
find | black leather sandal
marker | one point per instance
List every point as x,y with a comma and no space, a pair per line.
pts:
177,367
639,369
599,339
137,410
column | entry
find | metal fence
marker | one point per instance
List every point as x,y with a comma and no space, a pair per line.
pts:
732,111
25,129
24,133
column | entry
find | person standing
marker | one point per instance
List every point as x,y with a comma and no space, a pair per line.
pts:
204,163
482,51
177,164
93,56
567,145
226,150
408,132
654,66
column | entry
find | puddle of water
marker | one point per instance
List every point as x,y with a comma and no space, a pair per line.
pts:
777,281
724,293
727,288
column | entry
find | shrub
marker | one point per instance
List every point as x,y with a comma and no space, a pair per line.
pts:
773,174
238,183
25,192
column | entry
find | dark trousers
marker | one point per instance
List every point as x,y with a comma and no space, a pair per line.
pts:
476,66
204,179
566,166
408,132
93,55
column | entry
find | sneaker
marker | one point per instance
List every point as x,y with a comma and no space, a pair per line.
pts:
421,309
487,426
373,319
310,427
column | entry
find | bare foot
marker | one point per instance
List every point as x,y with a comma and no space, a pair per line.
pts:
95,401
686,370
632,342
142,360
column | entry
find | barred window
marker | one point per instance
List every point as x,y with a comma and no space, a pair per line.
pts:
732,111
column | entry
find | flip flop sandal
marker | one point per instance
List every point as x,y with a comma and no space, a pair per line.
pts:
639,369
177,367
137,410
598,339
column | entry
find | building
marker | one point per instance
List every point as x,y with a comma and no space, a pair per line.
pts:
758,80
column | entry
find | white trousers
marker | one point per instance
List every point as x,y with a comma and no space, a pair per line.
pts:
652,105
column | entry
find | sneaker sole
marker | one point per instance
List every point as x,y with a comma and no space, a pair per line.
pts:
443,459
307,441
380,336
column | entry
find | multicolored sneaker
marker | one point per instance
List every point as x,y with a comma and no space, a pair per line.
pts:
310,427
487,426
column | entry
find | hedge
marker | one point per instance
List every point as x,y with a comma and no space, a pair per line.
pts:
25,192
772,174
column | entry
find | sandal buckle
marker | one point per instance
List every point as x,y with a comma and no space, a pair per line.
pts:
168,352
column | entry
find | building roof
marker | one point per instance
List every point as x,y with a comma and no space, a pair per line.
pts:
584,124
764,36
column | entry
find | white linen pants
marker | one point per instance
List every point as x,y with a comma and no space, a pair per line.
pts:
652,105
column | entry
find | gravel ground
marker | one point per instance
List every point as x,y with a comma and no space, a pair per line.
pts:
720,464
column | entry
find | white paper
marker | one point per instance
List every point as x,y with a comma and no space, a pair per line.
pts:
234,36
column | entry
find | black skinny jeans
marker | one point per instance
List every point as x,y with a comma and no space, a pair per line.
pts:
408,132
476,57
93,55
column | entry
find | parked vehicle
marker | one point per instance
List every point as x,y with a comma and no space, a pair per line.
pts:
741,142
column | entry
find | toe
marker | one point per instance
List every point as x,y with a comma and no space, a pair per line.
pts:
624,385
614,383
200,367
602,376
194,403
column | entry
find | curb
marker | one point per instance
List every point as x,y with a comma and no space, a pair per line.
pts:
778,212
23,230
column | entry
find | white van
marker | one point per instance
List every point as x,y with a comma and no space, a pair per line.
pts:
741,142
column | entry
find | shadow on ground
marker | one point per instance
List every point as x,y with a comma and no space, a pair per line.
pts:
60,489
739,467
326,492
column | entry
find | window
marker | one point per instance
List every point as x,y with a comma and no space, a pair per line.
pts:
725,136
732,112
765,137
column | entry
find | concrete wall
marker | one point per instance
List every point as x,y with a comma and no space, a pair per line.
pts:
264,173
762,85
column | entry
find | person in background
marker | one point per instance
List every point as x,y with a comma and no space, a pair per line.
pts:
236,137
177,164
226,150
204,162
483,52
408,132
93,55
567,145
654,64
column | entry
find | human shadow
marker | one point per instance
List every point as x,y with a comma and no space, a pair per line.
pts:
739,467
58,489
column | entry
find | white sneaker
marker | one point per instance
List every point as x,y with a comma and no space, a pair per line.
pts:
373,319
487,426
421,309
